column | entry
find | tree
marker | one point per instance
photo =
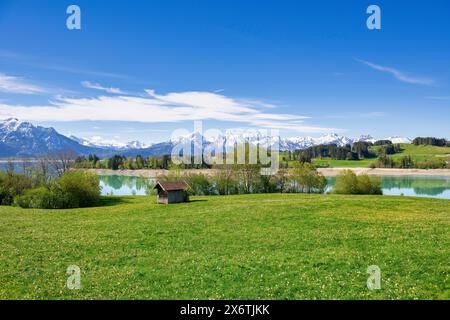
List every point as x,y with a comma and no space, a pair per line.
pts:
116,162
140,162
248,174
62,161
281,180
348,182
306,179
430,141
225,180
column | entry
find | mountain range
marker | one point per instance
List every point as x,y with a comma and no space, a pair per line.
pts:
25,140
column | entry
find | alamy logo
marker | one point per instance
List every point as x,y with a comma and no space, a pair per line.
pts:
374,280
242,147
374,20
73,22
74,279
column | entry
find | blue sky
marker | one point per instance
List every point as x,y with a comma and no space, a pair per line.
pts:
140,69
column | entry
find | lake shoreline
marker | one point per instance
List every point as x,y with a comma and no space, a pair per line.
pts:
328,172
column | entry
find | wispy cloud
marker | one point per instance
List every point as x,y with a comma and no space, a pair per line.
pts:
97,86
397,74
33,62
168,108
364,115
13,84
444,98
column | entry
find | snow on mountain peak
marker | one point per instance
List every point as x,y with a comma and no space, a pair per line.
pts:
333,138
99,142
366,138
10,125
398,139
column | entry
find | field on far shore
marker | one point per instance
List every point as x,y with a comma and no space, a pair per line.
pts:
289,246
417,153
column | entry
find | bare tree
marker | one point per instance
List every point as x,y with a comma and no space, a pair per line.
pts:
62,161
10,167
44,169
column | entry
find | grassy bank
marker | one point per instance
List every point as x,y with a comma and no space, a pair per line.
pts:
417,153
246,247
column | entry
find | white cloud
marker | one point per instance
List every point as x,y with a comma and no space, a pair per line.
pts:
96,86
12,84
154,108
399,75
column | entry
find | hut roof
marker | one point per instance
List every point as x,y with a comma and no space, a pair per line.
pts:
171,185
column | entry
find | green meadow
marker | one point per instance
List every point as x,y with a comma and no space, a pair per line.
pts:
342,163
423,152
231,247
417,153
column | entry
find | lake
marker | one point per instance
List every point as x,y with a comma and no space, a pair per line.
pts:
418,186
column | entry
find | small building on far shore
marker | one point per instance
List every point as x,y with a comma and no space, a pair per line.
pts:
172,192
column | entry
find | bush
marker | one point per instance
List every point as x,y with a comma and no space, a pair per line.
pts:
82,188
75,189
40,198
13,185
348,182
199,184
306,179
369,185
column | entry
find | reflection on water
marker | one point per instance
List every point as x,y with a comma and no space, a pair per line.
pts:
412,186
419,186
123,185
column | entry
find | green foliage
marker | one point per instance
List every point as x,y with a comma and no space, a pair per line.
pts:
199,184
306,179
75,189
82,187
247,179
431,141
12,185
332,152
389,149
348,182
40,198
385,161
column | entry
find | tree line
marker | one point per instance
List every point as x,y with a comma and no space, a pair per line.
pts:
356,151
431,141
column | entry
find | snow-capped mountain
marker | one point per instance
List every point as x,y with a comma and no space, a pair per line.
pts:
99,142
23,139
296,143
399,140
365,138
136,145
333,138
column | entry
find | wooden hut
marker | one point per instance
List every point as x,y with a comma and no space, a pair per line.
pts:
172,192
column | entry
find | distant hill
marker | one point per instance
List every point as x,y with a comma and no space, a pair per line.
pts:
25,140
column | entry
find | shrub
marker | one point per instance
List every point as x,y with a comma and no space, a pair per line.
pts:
306,179
199,184
369,185
75,189
40,198
12,185
349,183
81,188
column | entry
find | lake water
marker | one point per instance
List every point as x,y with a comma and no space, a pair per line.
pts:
418,186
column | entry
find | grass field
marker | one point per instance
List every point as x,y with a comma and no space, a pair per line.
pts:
417,153
422,153
236,247
342,163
